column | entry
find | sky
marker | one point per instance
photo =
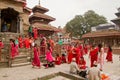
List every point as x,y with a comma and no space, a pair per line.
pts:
65,10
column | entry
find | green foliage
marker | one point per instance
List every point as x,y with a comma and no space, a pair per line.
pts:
82,24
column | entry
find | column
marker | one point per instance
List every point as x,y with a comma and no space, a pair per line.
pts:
21,25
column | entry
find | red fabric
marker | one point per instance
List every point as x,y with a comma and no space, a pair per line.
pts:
13,50
82,64
77,55
63,59
20,42
93,56
36,60
1,46
58,60
109,56
70,54
51,43
27,42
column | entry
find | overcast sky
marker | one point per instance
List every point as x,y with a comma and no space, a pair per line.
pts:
65,10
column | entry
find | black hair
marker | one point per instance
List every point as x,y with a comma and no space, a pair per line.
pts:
110,49
48,46
99,46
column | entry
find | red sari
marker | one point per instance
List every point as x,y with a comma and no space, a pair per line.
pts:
27,43
36,60
77,55
109,55
13,52
58,60
93,56
70,54
20,42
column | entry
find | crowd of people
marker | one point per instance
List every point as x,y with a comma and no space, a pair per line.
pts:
71,53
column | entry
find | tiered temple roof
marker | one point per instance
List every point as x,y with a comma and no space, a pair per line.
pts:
40,20
117,20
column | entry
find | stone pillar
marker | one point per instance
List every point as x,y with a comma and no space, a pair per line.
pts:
0,20
21,25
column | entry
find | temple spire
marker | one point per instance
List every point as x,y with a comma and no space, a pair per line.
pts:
39,3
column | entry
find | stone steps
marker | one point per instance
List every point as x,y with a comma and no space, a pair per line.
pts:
20,60
21,64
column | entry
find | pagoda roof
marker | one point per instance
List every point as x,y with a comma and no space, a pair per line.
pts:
116,20
117,14
22,1
44,16
45,27
41,8
105,33
28,9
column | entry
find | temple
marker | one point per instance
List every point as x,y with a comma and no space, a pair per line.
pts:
106,34
14,16
41,21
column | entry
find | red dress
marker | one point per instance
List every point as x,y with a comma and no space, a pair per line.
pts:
58,60
13,52
77,55
109,55
70,54
27,43
82,64
36,60
93,56
20,42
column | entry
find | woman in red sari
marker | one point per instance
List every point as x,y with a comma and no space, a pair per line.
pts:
12,49
109,55
27,42
20,41
77,54
36,60
69,54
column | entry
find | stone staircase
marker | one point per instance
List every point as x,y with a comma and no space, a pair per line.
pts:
20,60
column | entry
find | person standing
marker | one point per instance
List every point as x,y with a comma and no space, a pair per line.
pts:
69,53
93,55
109,54
36,59
20,40
12,48
101,56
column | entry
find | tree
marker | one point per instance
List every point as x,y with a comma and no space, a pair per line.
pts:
82,24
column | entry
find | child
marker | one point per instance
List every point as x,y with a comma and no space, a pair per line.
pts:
58,60
63,58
